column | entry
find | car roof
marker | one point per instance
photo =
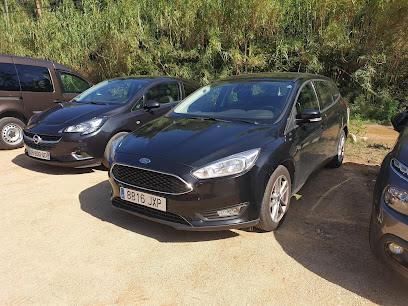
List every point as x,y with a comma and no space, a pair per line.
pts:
158,78
33,61
276,76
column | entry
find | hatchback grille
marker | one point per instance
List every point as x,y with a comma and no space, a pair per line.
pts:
149,212
150,180
43,137
40,146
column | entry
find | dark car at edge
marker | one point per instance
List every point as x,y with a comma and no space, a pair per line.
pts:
389,218
79,133
232,154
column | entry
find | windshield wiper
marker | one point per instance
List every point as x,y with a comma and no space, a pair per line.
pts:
98,103
209,118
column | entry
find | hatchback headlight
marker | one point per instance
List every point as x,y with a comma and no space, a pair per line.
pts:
397,199
86,127
234,164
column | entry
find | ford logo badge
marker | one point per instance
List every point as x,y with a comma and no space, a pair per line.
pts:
145,160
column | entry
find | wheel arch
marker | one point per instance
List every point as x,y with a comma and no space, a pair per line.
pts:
14,114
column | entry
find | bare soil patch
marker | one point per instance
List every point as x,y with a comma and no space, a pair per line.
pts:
63,243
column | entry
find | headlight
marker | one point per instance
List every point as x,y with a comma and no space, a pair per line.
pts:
234,164
400,167
397,199
86,127
114,147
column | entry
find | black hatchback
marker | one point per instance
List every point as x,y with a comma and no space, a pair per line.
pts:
389,218
232,154
79,133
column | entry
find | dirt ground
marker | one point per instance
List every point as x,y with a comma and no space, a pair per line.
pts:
62,243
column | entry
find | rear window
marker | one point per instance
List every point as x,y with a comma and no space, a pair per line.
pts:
34,78
8,78
334,90
326,95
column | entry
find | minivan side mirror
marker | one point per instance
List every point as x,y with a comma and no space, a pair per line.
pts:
399,121
308,115
152,104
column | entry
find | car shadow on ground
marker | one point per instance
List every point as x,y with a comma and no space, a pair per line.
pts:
96,201
326,231
32,165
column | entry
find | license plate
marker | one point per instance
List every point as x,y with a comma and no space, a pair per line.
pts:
39,154
143,198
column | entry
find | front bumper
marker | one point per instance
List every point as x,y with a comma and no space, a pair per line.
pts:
68,150
196,210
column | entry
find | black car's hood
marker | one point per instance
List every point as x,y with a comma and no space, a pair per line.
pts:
63,115
401,147
195,142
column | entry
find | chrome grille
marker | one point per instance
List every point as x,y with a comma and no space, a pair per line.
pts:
149,179
43,137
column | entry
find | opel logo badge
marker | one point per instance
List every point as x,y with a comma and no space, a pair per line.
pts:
145,160
37,139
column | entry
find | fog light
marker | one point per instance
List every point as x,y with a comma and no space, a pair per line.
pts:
395,248
78,155
233,211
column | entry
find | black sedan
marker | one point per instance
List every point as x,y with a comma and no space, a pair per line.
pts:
80,133
389,218
233,153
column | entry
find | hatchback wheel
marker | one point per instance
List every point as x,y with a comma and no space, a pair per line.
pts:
276,200
337,160
11,130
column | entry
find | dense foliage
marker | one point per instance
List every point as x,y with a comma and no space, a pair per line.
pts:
362,44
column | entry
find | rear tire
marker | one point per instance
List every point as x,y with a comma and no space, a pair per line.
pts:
337,160
108,149
276,200
11,133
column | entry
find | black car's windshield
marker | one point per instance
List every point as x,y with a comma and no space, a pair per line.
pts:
248,101
117,91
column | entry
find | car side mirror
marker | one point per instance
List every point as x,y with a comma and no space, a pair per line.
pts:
399,121
308,115
152,104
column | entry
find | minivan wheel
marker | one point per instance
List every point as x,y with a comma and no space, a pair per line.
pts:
276,200
337,160
108,149
11,130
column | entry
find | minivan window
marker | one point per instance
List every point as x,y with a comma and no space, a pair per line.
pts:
188,90
324,93
34,78
115,91
72,83
164,93
8,78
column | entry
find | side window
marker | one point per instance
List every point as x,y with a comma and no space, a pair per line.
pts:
164,93
307,99
72,83
324,93
34,78
138,105
334,90
8,78
188,90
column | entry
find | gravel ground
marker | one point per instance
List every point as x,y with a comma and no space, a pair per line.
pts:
62,243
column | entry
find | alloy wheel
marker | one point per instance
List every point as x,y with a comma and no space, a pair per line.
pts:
279,198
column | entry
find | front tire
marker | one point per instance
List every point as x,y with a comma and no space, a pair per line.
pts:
11,130
276,200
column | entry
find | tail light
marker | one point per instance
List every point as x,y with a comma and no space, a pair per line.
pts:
345,102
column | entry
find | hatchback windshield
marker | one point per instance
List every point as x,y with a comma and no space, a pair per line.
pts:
112,91
257,102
